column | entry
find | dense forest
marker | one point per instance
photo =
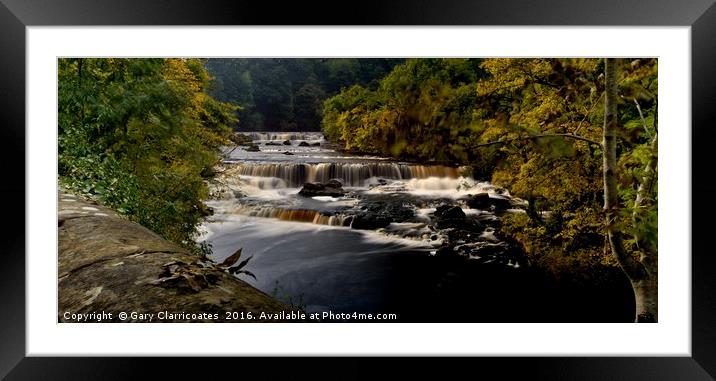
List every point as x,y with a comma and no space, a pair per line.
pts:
536,127
575,138
278,94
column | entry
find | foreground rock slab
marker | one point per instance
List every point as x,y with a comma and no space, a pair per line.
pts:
108,265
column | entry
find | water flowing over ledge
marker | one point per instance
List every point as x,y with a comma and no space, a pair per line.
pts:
283,136
350,174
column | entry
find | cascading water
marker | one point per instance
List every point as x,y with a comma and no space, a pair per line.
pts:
283,136
264,182
350,174
295,215
337,249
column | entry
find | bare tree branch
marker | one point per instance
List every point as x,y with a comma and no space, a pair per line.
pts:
643,121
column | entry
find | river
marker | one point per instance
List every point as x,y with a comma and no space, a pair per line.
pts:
413,240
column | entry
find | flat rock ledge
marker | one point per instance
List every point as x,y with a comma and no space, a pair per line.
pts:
108,265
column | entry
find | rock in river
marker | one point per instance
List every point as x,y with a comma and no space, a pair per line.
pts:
370,221
484,201
449,212
501,202
379,214
332,188
479,201
447,216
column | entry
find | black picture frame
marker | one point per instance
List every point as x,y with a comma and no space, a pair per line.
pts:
16,15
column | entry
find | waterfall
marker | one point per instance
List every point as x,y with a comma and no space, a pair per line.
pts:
265,182
281,136
296,215
351,174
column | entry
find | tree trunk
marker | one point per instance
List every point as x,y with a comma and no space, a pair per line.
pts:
646,289
644,285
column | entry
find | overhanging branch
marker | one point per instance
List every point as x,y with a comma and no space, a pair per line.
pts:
531,137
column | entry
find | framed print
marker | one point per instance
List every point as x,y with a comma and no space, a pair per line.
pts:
404,179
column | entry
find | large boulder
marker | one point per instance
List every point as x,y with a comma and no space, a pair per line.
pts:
376,214
303,144
449,216
501,202
451,212
287,142
331,188
252,148
479,201
370,221
395,209
484,201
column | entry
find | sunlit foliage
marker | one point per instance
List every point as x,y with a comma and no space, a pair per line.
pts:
533,126
140,135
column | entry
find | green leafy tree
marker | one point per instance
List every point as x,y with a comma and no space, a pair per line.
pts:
422,110
536,127
141,135
308,105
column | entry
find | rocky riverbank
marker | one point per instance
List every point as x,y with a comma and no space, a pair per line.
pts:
108,265
468,225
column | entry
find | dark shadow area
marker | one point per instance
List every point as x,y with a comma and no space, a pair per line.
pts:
453,289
